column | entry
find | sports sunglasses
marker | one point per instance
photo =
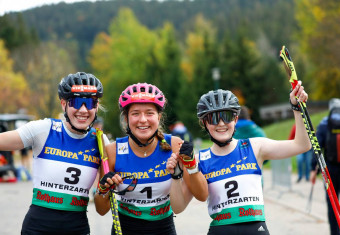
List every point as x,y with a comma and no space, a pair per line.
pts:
214,118
77,102
130,187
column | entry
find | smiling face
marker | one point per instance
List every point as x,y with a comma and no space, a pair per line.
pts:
222,131
143,120
80,118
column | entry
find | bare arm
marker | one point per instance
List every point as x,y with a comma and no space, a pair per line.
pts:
197,184
10,140
268,149
180,195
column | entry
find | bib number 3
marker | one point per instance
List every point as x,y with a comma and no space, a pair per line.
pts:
74,178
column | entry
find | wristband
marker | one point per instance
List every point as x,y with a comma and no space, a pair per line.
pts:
101,190
295,107
194,170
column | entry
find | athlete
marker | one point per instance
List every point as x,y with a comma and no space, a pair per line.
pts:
144,153
65,159
232,167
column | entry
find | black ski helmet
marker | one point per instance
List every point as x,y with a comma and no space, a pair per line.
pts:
80,85
217,101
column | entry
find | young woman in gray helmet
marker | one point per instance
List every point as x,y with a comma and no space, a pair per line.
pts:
232,168
66,159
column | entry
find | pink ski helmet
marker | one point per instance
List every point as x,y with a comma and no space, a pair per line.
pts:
141,93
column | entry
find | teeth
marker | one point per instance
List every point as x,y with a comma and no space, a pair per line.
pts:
142,127
82,118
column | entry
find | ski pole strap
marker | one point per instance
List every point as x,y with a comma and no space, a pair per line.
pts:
186,153
295,107
178,173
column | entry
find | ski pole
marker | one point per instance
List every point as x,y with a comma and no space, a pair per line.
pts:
289,66
105,164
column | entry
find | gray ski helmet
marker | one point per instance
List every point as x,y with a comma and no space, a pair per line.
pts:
80,85
217,101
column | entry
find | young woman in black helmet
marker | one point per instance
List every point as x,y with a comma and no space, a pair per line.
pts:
232,168
66,159
144,153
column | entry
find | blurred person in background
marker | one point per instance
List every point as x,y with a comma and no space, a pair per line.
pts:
245,127
180,130
328,135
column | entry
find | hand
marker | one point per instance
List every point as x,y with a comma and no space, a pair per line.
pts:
171,163
298,94
110,179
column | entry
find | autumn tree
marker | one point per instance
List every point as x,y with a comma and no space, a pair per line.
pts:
43,67
319,37
13,89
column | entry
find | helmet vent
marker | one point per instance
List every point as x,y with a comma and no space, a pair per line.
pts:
142,89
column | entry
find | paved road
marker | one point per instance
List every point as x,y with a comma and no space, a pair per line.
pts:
285,211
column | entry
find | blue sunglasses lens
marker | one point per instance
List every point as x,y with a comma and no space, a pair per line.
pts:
214,118
78,102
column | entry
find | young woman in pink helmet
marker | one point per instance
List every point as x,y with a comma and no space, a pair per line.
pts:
144,153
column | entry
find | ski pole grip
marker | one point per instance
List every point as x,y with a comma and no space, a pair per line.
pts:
289,66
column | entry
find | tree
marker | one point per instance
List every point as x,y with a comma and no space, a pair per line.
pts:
201,56
319,38
13,89
43,67
120,59
163,69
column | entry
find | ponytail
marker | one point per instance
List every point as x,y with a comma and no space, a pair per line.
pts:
163,144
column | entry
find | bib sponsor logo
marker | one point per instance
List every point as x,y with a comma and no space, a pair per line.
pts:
130,211
49,199
205,156
160,211
56,126
222,217
249,212
78,202
123,148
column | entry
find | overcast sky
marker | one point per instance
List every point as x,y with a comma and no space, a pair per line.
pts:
7,6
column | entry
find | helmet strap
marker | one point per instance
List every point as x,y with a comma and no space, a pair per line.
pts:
136,140
75,128
219,143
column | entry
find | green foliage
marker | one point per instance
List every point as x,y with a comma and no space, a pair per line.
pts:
14,32
319,39
120,59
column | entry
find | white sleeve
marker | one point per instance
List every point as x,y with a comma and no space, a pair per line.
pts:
35,134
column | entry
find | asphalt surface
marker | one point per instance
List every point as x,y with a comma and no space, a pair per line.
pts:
285,210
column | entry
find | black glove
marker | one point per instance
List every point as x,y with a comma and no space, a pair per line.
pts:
187,149
103,180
